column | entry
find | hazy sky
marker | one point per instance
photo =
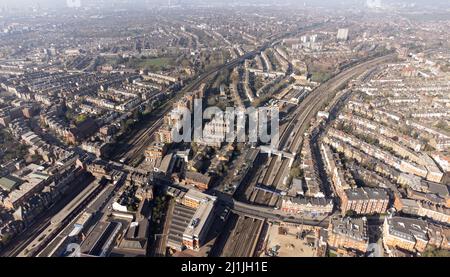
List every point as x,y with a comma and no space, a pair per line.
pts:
55,3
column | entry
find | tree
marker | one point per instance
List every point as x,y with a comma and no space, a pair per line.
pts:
5,239
295,172
80,118
137,114
194,147
350,213
435,252
125,125
212,102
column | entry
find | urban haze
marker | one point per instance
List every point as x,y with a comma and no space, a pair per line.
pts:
212,128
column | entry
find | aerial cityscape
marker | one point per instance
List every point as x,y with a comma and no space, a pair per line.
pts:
213,128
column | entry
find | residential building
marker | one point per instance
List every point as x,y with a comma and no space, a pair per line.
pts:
365,200
405,233
348,233
307,205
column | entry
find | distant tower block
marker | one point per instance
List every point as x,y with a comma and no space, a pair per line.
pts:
373,4
73,3
342,34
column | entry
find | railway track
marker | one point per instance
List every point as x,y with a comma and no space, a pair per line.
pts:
59,221
292,135
313,102
244,237
42,222
141,143
144,139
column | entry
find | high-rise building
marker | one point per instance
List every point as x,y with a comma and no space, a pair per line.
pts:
73,3
4,9
342,34
373,4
